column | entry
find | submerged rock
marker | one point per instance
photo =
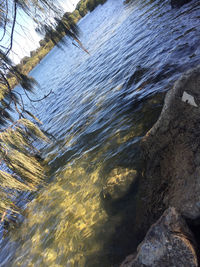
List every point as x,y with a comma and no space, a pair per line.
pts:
179,3
169,242
118,183
126,1
172,150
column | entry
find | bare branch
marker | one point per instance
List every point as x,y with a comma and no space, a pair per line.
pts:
13,27
37,100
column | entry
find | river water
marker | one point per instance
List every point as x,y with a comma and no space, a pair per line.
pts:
101,106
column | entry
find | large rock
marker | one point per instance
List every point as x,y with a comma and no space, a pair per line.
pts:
169,242
118,183
172,151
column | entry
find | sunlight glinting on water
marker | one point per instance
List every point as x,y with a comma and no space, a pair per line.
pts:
101,107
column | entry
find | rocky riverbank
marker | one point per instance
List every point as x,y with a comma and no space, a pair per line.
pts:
169,242
171,178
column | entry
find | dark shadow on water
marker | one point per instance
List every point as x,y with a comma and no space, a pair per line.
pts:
124,239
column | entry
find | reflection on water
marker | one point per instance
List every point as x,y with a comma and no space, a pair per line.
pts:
101,107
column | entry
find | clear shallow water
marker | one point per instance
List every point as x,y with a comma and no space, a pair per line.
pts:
101,107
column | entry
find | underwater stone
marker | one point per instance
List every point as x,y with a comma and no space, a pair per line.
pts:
118,183
179,3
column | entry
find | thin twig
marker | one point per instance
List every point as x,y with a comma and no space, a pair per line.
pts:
13,28
37,100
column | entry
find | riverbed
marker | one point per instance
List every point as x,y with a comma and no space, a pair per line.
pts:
101,106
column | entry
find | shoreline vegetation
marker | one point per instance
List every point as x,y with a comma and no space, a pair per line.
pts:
27,63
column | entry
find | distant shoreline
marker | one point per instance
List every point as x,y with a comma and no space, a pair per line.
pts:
27,64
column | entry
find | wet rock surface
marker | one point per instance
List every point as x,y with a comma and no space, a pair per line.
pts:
118,183
172,149
169,242
171,178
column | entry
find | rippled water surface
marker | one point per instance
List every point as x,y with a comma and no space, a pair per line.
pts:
101,106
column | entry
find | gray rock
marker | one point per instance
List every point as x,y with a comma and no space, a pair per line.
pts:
172,149
168,243
118,183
